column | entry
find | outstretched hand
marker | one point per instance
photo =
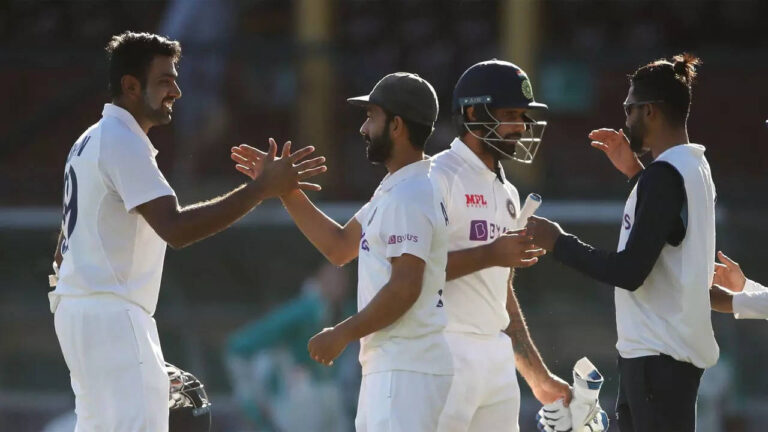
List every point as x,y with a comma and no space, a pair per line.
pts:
279,175
615,145
729,274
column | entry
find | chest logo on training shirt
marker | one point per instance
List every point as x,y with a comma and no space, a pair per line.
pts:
482,230
627,222
476,200
396,239
364,244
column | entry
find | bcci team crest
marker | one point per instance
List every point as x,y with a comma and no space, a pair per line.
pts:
526,88
511,208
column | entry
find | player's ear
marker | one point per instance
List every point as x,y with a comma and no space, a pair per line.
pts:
396,126
130,85
470,113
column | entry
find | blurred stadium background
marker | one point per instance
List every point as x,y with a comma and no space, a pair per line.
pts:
253,69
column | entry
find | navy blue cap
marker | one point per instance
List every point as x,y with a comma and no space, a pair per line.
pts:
496,83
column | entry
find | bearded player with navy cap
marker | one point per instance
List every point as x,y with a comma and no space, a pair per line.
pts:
486,329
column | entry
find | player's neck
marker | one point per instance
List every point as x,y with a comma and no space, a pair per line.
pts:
401,159
144,124
478,149
668,139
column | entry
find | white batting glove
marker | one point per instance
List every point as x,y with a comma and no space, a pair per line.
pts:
586,413
554,417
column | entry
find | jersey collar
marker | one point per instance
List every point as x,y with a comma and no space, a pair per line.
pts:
112,110
416,168
470,158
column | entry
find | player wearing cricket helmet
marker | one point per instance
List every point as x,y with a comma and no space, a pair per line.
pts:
486,330
494,84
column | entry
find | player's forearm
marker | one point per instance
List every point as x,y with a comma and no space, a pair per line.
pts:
386,307
198,221
467,261
324,233
527,358
721,299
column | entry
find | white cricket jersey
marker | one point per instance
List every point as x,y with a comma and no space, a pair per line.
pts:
670,312
752,302
108,247
482,206
406,215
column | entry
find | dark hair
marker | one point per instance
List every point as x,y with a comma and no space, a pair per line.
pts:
417,133
131,53
670,82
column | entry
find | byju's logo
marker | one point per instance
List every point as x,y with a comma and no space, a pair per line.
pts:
476,200
627,222
364,244
395,239
478,230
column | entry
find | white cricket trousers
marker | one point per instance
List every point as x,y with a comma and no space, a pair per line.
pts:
117,370
484,395
401,401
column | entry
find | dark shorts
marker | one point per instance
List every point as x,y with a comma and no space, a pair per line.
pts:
657,394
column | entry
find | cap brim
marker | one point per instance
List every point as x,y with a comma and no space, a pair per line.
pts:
360,100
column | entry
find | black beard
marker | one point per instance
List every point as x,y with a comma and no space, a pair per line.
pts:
157,116
379,148
506,147
635,136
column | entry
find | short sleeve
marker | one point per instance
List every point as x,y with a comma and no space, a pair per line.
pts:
131,169
360,215
406,228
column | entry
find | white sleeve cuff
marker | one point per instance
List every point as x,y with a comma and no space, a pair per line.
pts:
752,305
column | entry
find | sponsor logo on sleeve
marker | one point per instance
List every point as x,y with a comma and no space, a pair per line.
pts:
627,222
364,244
397,238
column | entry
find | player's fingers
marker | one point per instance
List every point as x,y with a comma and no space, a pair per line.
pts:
286,150
250,154
307,164
719,268
532,253
310,186
272,152
303,175
602,134
252,150
727,261
302,153
527,262
240,159
624,136
246,170
600,146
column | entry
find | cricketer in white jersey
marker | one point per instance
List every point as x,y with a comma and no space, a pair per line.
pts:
486,329
110,278
400,239
119,214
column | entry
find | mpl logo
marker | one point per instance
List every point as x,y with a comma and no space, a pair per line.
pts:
476,200
478,230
